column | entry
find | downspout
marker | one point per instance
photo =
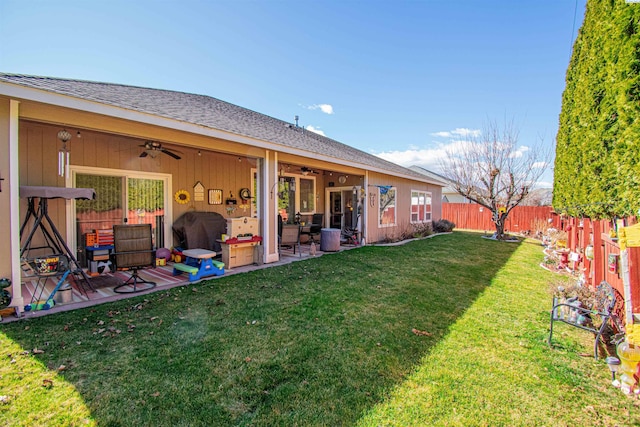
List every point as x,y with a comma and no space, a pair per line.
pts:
17,299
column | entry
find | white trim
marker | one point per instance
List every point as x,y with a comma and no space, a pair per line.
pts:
270,206
17,300
426,193
395,209
67,101
168,197
327,203
253,211
364,220
296,200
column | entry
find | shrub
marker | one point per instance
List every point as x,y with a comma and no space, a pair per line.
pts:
540,228
443,226
422,230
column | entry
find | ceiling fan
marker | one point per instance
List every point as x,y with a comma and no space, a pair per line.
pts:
152,149
306,171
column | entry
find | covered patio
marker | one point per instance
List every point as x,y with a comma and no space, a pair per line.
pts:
154,157
103,285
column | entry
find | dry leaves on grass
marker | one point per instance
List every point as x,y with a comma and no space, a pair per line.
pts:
421,333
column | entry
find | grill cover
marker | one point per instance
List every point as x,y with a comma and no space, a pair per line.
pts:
200,230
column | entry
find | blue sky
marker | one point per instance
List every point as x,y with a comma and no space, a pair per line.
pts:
393,78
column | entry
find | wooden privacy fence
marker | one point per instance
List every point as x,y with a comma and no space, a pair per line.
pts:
596,254
521,219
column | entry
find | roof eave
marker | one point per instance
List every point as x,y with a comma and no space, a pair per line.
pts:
21,92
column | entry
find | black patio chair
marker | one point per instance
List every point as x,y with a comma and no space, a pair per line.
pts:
133,250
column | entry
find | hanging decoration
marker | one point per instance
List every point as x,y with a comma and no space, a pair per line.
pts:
63,154
384,189
182,197
215,196
198,192
245,199
231,200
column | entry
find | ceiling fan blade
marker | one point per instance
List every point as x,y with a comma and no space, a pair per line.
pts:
144,154
172,154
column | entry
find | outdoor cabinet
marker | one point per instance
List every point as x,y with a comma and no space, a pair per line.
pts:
238,254
242,226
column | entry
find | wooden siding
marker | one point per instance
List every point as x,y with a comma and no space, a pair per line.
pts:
39,166
403,187
39,162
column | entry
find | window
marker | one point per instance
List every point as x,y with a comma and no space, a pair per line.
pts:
387,213
296,194
420,206
307,195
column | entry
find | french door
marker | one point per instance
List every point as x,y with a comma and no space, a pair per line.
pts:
344,207
122,197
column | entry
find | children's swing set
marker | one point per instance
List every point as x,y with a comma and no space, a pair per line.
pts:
54,259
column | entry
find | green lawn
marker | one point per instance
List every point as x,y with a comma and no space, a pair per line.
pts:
440,332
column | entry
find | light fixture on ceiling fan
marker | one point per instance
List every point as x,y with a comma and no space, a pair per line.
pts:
306,171
152,149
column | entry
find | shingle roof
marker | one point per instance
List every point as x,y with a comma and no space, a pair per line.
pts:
211,113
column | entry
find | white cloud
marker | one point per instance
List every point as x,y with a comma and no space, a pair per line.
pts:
315,130
428,158
458,132
442,134
325,108
538,165
543,184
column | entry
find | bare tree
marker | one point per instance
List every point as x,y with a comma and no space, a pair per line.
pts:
491,169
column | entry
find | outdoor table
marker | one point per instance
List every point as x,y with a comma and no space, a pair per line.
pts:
199,264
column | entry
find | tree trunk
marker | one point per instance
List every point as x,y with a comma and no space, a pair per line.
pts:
499,229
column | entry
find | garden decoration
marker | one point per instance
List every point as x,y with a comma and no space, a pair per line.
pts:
5,296
614,364
582,308
629,356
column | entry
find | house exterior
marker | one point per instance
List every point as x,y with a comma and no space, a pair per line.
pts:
129,138
449,194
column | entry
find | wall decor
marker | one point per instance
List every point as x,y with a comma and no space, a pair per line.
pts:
198,192
215,196
245,194
231,200
182,197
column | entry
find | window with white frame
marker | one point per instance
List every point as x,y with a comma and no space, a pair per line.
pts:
387,212
420,206
296,194
307,203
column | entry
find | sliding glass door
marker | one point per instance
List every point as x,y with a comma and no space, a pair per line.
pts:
122,197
